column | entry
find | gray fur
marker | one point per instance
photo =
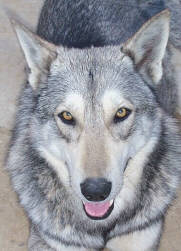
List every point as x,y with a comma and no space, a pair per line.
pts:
141,156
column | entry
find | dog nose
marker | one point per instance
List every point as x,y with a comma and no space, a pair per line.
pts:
96,189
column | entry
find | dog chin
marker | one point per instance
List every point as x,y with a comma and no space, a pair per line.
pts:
98,210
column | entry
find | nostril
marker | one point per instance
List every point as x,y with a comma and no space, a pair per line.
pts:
96,189
88,197
102,197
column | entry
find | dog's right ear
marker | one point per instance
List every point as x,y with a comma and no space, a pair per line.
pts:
38,53
147,47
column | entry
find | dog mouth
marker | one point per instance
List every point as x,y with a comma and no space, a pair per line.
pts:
98,210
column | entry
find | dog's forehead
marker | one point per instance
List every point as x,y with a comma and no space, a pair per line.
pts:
93,69
97,75
82,62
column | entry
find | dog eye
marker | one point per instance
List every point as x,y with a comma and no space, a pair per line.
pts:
66,118
121,114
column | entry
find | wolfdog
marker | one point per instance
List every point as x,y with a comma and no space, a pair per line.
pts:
95,155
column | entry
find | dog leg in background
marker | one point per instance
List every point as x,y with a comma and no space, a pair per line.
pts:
36,243
144,240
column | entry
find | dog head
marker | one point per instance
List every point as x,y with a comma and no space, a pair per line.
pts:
96,117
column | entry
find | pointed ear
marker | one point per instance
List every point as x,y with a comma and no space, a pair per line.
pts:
147,47
38,53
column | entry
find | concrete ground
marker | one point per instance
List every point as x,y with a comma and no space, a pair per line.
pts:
13,222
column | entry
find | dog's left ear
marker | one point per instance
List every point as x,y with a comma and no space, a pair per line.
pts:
147,46
38,53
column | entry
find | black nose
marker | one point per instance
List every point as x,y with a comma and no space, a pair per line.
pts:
96,189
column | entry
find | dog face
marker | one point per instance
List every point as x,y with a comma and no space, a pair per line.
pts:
95,113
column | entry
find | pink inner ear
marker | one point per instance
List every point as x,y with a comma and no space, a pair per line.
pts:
147,47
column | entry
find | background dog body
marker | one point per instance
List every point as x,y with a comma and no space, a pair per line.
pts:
114,63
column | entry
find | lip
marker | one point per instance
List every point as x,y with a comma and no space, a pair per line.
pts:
102,217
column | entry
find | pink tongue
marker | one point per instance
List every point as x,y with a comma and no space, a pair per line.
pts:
97,209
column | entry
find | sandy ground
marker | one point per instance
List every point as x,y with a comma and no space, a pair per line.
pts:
13,222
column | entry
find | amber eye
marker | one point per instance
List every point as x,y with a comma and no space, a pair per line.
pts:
121,114
66,117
